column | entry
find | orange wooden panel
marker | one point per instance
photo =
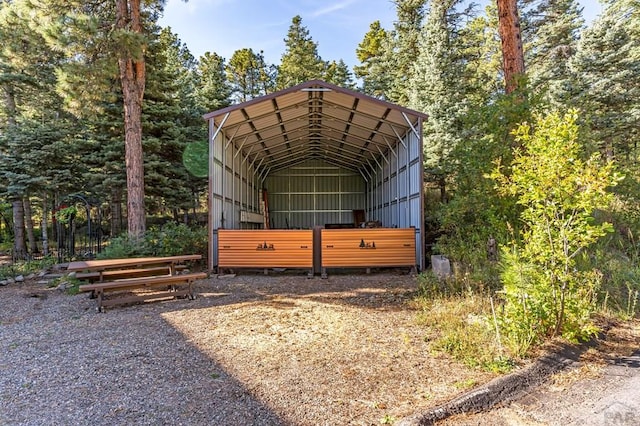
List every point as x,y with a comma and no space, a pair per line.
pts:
265,248
375,247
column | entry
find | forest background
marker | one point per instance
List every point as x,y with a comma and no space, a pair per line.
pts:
69,70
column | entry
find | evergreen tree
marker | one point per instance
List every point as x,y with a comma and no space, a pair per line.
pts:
103,153
244,74
549,53
96,38
483,56
213,91
512,51
338,73
375,71
171,120
300,61
33,128
405,50
268,75
130,35
607,65
436,89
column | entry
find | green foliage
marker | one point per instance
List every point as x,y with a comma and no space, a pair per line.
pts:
435,88
170,240
65,215
475,210
338,73
555,30
300,61
249,75
548,288
26,268
372,53
213,91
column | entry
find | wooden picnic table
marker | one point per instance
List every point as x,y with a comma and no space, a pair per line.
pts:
147,273
100,266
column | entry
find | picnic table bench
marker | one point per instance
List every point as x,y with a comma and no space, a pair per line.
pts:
160,274
97,276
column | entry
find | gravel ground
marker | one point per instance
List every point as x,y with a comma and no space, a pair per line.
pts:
250,350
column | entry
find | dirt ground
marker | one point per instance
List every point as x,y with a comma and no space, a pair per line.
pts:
251,349
276,349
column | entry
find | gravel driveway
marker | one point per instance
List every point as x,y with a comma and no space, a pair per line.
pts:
250,350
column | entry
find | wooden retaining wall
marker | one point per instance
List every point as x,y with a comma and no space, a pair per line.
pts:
265,248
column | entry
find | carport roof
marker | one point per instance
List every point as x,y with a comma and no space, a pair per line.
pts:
315,120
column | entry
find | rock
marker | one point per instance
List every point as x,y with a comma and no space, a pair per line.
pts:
63,285
42,274
31,276
441,266
43,282
19,279
52,276
226,276
11,281
4,282
72,274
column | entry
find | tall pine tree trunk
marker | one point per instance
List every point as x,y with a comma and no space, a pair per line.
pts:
19,246
132,78
45,225
116,212
28,221
512,53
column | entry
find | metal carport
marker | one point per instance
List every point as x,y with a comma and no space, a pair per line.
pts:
323,152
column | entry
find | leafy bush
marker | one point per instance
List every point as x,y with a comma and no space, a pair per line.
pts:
549,287
170,240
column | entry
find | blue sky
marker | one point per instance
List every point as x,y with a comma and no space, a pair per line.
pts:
337,26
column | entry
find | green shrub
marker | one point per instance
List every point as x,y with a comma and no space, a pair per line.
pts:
170,240
26,268
549,288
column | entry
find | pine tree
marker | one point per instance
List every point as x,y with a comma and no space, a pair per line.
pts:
375,71
129,34
244,74
338,73
512,51
33,127
300,61
268,75
213,91
435,89
405,50
548,54
98,38
607,65
482,52
172,119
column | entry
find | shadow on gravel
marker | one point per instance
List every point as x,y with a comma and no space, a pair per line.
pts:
386,290
61,363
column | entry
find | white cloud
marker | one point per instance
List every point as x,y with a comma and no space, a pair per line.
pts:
332,8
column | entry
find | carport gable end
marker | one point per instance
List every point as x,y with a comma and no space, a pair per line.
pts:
325,154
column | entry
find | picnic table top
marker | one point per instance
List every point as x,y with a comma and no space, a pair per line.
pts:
104,264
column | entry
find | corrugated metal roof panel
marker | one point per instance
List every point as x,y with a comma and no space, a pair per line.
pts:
315,121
